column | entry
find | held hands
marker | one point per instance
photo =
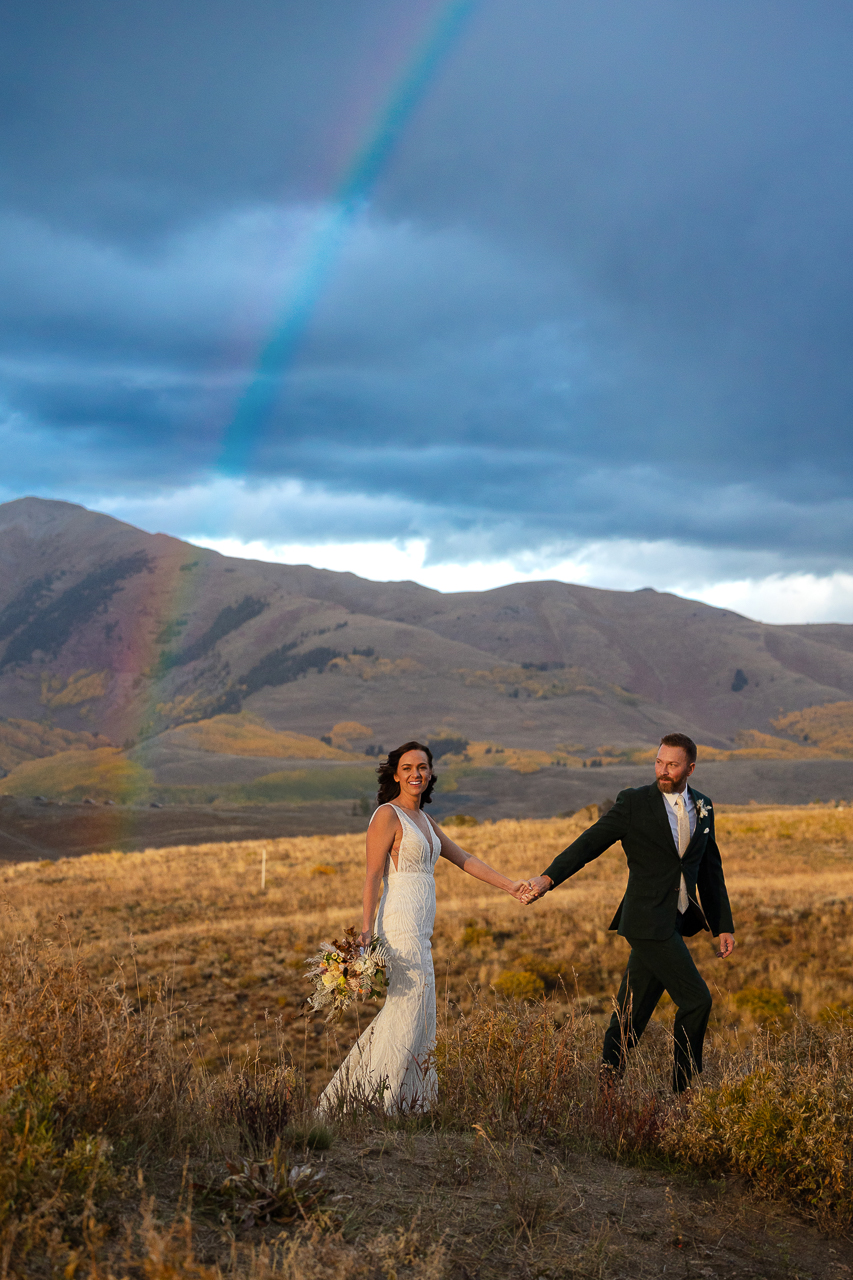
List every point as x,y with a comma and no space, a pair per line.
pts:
535,888
527,891
519,890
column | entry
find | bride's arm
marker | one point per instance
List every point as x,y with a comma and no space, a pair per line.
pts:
380,840
475,866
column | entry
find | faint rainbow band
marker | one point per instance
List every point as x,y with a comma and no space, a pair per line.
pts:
255,407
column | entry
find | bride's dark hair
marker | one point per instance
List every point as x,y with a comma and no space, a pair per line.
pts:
388,788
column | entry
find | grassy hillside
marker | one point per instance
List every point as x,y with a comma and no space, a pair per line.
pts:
100,774
106,775
235,952
22,740
827,727
164,1130
247,735
158,768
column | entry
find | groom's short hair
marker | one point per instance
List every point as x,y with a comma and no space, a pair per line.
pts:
688,746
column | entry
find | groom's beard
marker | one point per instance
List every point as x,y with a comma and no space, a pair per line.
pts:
667,786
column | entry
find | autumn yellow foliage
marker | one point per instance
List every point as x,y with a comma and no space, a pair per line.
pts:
822,732
103,773
491,755
373,667
751,745
347,732
829,727
22,740
82,686
533,682
248,735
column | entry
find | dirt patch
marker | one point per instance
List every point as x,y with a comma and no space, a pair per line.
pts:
525,1210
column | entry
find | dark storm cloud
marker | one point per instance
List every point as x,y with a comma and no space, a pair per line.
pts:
602,290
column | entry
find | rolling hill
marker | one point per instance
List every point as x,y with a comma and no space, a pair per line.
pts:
113,636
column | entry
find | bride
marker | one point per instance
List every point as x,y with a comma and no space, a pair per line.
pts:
392,1059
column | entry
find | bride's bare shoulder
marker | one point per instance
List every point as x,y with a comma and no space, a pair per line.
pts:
385,816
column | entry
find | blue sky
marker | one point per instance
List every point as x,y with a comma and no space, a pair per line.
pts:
590,319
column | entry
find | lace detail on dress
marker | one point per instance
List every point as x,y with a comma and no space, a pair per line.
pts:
414,856
394,1055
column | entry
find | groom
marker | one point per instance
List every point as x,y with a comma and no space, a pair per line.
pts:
667,832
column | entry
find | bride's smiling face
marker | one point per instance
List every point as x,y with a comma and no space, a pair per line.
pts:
413,774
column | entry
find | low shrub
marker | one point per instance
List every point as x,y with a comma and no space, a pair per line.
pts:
763,1003
473,935
782,1117
779,1114
520,984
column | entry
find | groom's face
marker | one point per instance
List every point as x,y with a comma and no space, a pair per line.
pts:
672,769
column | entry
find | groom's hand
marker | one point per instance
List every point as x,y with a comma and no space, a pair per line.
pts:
520,891
539,885
727,946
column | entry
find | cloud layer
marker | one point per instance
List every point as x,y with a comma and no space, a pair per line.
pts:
601,294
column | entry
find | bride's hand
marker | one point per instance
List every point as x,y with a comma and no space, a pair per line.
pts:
520,890
364,938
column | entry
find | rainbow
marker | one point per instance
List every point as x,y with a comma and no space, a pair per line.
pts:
279,349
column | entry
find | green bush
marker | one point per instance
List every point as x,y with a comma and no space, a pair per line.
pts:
785,1124
520,984
763,1003
474,934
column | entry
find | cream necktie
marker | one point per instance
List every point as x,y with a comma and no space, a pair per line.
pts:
683,842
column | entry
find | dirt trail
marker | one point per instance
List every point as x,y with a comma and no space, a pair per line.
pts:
526,1210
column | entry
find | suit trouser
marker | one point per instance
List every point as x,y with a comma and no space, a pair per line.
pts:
655,967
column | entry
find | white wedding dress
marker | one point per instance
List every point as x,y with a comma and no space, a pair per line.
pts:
393,1058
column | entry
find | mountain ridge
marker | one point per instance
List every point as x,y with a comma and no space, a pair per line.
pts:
106,628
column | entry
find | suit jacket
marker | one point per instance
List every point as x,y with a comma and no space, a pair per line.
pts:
649,908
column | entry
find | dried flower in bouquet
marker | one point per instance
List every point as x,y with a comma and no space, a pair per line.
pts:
343,972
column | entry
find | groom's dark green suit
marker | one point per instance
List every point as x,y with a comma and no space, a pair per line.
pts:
648,917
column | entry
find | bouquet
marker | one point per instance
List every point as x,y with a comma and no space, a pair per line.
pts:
346,971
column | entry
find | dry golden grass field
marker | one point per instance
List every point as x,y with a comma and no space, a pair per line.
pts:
209,1066
232,954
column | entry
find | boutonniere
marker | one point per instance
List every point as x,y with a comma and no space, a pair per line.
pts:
703,809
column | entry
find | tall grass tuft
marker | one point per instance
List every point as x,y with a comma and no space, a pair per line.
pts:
87,1085
253,1105
534,1070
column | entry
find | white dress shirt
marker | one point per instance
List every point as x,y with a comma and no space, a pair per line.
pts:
672,812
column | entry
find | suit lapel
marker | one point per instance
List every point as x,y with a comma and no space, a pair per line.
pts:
657,805
699,828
